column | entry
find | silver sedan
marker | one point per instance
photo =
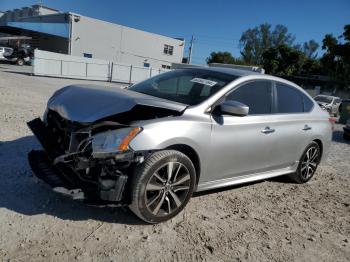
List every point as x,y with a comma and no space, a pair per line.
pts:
152,145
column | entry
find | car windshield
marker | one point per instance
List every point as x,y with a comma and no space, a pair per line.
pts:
187,86
323,99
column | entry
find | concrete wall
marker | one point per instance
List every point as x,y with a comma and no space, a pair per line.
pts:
59,65
67,66
122,44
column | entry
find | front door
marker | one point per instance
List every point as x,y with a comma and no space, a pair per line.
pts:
241,145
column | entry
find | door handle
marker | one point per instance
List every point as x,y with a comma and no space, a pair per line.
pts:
306,128
267,130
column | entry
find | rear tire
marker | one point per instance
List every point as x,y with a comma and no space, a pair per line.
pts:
162,186
308,164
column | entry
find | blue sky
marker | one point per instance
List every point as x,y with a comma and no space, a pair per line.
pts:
217,25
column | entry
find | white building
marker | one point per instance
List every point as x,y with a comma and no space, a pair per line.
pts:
78,35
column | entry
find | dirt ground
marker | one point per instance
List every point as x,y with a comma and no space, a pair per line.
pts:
273,220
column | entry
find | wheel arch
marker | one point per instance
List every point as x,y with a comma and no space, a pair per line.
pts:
320,144
191,153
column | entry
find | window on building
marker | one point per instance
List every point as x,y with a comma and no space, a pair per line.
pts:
87,55
289,99
146,65
168,49
257,95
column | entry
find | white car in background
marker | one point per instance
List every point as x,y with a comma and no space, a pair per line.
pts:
329,103
4,51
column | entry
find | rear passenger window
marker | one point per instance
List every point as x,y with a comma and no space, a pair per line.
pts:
308,104
289,99
257,95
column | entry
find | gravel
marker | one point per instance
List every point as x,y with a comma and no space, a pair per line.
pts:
272,220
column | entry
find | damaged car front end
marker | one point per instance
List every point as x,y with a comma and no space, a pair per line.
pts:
86,145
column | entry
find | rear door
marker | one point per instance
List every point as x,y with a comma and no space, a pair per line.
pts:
292,123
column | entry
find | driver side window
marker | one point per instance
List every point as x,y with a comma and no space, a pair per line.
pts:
255,94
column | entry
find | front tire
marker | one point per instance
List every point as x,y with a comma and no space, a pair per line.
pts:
162,186
20,62
308,164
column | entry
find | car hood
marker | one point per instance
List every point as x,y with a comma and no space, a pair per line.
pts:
88,103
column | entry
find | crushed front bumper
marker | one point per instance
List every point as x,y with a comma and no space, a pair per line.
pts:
63,179
42,168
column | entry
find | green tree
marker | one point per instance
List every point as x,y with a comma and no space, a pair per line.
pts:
336,59
286,60
223,58
311,66
310,48
254,42
283,60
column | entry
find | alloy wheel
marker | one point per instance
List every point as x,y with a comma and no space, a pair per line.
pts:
309,162
167,189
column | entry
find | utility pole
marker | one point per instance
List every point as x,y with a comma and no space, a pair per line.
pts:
190,51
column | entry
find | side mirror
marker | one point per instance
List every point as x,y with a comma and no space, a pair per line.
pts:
235,108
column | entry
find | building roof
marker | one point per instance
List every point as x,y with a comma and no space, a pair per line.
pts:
46,7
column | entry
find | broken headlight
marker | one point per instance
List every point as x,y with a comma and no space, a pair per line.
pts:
113,141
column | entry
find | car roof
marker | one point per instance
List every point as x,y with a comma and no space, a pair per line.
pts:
242,73
225,70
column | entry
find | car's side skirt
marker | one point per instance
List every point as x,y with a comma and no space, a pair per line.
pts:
246,178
